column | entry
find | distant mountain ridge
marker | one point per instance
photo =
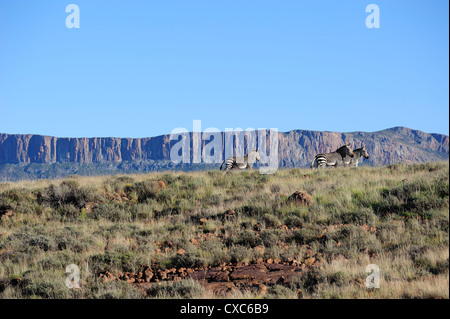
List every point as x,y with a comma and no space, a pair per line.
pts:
296,148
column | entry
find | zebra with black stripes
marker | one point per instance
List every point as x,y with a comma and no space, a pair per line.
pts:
332,159
359,153
242,162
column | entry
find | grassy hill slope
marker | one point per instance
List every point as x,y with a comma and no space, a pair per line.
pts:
135,237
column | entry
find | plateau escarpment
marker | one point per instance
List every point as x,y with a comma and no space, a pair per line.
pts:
295,149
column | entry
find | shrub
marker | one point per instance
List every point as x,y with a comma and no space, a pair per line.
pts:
112,261
48,285
248,238
280,292
270,237
68,192
271,220
294,221
145,190
240,254
307,235
360,217
110,211
254,210
69,212
189,260
117,290
141,212
186,288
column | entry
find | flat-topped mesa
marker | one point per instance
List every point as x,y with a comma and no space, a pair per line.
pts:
295,148
26,149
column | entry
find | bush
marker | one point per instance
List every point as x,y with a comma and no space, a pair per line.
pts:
112,261
240,254
360,217
270,237
280,292
254,210
187,289
248,238
68,192
117,290
44,285
271,220
294,221
307,235
141,212
110,211
145,190
188,260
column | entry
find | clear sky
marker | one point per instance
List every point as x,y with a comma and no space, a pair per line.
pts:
142,68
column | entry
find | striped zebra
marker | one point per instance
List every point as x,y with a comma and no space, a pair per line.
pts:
244,162
332,159
359,153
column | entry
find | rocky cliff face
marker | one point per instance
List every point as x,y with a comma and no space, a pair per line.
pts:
296,148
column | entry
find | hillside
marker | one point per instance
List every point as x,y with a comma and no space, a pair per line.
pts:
36,156
297,233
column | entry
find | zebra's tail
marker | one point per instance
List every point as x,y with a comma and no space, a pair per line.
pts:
220,168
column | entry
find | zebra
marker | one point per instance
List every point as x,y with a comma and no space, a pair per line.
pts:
332,159
359,153
244,162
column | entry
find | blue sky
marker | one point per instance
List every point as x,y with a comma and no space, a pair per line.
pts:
143,68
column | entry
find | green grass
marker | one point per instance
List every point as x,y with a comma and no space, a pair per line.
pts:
396,217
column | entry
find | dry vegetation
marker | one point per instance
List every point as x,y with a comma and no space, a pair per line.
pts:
396,217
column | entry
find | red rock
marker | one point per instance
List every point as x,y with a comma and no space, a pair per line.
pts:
310,261
301,199
181,251
148,274
89,206
161,184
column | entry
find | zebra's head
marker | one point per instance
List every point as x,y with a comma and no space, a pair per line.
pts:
364,152
345,150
